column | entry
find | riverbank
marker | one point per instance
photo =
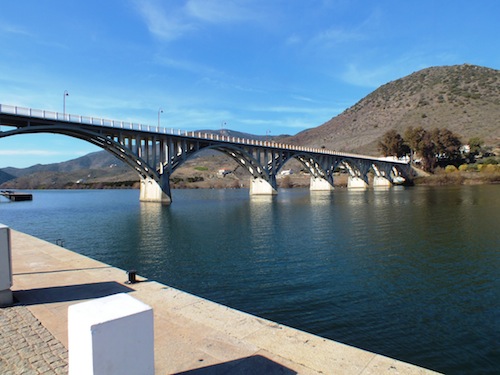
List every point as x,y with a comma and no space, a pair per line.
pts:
456,177
443,177
191,334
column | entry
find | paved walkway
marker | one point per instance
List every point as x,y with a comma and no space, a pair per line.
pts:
192,335
27,347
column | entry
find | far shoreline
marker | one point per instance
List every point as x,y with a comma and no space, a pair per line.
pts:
456,178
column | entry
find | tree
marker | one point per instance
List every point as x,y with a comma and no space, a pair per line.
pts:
392,144
446,144
420,142
475,145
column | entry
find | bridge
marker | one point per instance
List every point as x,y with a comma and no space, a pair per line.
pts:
155,152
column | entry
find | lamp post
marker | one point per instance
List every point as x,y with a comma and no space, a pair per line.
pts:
222,124
66,93
159,111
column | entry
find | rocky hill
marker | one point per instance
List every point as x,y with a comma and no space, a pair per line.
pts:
97,167
463,98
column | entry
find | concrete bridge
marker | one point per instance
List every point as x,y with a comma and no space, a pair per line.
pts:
156,152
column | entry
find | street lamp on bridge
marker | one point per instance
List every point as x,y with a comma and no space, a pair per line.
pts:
159,111
66,93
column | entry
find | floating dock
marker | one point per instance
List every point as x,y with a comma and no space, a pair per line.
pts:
16,197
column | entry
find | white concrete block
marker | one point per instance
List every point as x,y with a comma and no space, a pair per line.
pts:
5,266
111,335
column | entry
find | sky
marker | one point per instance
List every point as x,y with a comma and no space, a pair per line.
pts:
256,66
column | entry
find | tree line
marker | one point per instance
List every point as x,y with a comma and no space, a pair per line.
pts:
437,147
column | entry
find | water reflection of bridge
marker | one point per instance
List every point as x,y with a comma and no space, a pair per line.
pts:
156,152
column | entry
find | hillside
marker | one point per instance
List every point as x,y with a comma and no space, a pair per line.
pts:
96,167
463,98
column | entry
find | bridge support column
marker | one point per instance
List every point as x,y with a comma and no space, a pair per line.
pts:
319,184
259,186
356,183
379,181
151,191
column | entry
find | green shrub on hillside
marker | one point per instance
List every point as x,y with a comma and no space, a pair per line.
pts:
450,169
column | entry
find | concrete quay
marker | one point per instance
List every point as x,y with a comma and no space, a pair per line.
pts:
192,335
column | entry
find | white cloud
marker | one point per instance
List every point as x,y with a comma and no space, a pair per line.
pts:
338,35
294,109
293,40
366,77
376,74
185,65
166,25
172,22
302,98
32,152
215,11
5,28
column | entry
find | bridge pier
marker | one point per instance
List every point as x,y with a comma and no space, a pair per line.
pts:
356,183
259,186
319,184
151,191
380,181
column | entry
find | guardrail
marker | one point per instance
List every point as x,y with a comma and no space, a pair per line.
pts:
87,120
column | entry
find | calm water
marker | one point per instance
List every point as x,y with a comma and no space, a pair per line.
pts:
408,273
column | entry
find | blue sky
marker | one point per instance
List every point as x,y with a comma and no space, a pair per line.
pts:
277,66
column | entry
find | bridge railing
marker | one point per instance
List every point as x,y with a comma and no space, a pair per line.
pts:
88,120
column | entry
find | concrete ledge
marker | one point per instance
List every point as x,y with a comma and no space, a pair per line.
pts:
191,333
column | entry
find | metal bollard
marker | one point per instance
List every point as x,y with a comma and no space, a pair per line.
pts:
131,277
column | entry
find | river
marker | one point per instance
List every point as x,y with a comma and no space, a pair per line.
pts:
411,273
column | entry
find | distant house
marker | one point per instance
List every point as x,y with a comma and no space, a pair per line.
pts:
286,172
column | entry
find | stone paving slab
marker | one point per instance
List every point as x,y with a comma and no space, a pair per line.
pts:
27,347
192,335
